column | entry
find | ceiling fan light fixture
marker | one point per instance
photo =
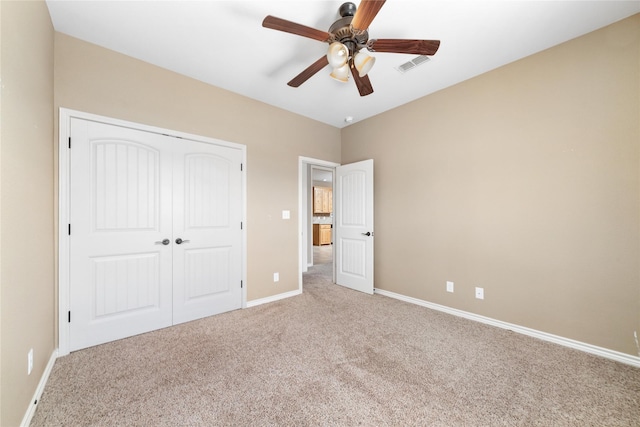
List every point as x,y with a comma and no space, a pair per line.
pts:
363,63
346,37
338,54
341,73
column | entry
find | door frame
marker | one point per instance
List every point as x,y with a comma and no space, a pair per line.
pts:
63,264
304,225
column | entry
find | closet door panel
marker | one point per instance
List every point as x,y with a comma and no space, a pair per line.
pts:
120,279
207,218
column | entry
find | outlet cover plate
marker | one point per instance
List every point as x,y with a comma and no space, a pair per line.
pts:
479,293
276,277
449,286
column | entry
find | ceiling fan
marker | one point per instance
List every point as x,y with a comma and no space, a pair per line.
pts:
347,37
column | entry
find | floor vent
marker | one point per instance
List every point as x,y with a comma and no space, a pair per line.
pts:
418,60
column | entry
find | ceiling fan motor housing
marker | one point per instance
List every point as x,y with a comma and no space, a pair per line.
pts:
342,31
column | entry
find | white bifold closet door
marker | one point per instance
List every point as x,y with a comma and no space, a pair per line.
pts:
155,231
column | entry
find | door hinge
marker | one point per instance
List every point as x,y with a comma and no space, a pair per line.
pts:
69,229
240,225
240,167
69,142
241,284
69,316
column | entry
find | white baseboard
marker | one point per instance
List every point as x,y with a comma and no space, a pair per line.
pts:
38,393
567,342
273,298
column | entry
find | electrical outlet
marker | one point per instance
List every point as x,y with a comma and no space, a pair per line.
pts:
479,293
449,286
276,277
30,362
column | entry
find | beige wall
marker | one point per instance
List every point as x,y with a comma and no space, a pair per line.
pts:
524,181
96,80
26,203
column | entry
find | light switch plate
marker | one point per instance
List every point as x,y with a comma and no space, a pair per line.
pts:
30,362
286,214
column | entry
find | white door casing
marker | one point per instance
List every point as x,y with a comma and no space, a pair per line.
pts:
128,190
354,231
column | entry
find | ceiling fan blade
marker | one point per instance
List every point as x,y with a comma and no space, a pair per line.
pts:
417,47
363,83
365,13
291,27
309,71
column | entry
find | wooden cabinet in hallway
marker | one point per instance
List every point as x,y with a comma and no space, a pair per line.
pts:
321,234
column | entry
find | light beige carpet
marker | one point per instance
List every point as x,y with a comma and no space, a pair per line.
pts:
336,357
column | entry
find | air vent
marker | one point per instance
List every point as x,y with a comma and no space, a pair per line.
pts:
406,67
418,60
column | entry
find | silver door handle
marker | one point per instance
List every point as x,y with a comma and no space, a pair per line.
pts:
367,233
163,242
180,241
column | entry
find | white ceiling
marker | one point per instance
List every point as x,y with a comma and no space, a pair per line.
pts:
322,175
224,44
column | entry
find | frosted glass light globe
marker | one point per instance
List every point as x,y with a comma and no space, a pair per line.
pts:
337,55
341,73
363,63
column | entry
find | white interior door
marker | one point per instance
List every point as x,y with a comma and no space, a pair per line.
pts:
156,235
207,220
353,226
120,277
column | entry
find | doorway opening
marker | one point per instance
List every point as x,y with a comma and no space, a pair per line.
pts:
316,179
322,221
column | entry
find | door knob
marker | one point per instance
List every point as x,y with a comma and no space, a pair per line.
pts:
163,242
366,234
180,241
